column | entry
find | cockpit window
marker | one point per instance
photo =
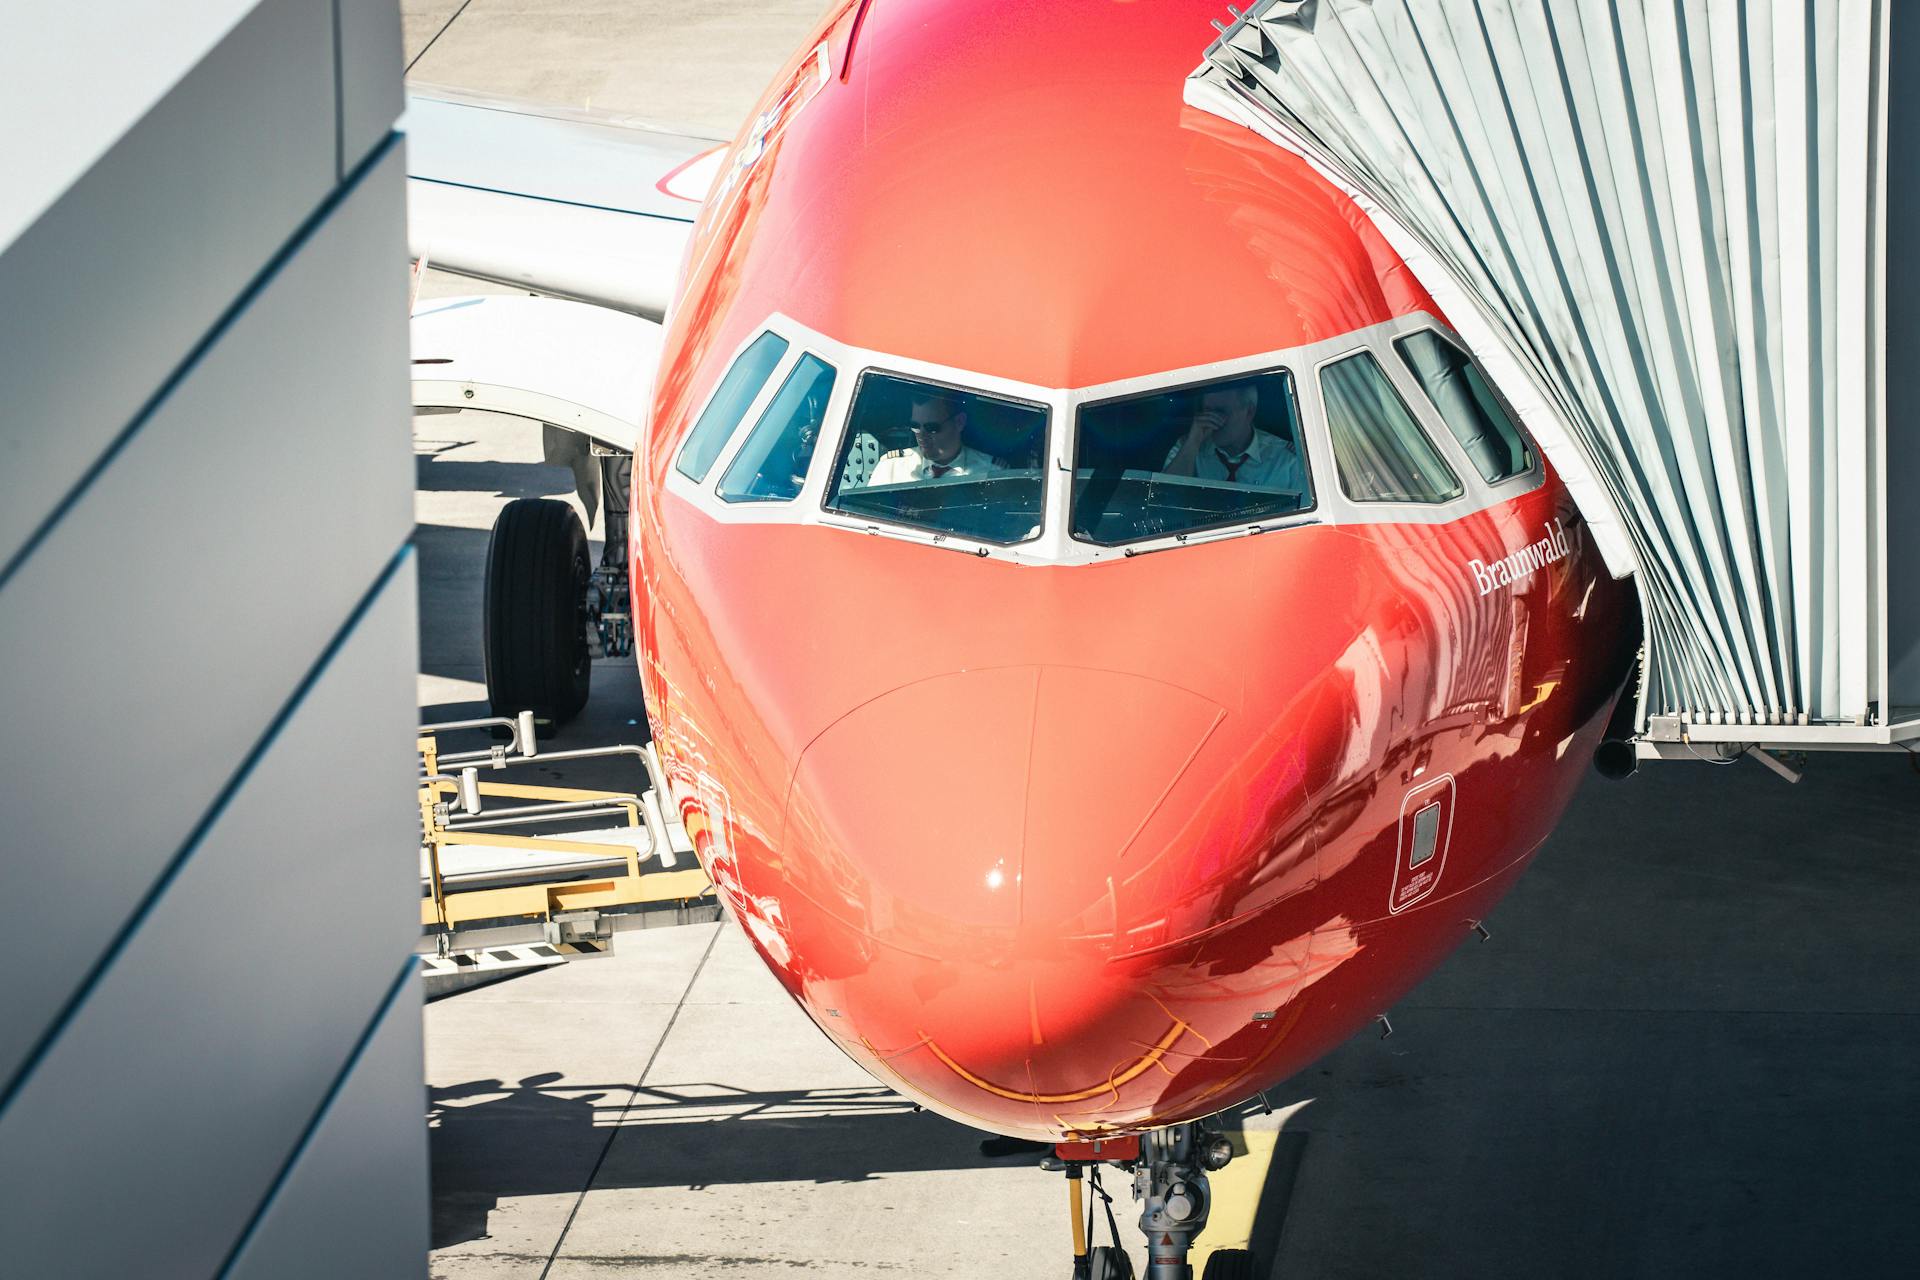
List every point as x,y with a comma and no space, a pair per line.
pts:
1467,404
944,459
1206,456
772,464
729,405
1380,451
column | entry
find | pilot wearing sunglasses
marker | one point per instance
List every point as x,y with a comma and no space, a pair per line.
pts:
938,424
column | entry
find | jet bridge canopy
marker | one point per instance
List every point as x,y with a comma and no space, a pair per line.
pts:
1673,233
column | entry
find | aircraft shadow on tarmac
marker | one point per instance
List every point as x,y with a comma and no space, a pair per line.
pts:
545,1135
451,568
1686,1052
502,479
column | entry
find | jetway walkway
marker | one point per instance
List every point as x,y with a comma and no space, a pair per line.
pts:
518,875
1680,236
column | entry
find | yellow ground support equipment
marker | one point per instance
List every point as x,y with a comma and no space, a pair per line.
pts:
548,879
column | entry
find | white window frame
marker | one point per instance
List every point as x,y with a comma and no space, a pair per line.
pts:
1056,545
1533,473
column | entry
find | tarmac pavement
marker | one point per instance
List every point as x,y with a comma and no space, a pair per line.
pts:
693,67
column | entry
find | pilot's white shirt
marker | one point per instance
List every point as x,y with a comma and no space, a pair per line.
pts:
1268,461
904,465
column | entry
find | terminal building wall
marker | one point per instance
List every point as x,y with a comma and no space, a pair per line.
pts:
1903,363
210,1059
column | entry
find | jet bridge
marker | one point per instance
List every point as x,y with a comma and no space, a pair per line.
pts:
1681,236
515,875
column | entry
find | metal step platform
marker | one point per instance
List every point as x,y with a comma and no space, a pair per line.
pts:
551,874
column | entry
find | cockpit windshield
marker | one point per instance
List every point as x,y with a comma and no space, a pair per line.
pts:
1204,456
944,459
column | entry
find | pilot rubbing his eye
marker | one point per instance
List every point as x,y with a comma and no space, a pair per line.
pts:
1221,443
938,423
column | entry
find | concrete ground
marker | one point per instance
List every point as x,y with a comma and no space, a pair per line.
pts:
694,66
1688,1049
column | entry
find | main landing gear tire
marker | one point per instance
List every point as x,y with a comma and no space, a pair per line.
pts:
1229,1264
538,572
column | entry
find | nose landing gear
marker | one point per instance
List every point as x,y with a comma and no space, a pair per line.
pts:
1171,1184
1170,1168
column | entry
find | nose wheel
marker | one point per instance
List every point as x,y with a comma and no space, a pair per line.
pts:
1101,1261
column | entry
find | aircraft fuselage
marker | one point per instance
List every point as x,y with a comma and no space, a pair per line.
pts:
1057,832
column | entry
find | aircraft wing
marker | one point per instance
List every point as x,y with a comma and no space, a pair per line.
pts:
583,368
595,208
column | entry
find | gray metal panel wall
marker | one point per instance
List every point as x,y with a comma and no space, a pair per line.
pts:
1903,364
371,96
180,1086
167,617
207,610
341,1177
114,286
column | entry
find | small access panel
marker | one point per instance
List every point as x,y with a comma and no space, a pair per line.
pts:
1426,823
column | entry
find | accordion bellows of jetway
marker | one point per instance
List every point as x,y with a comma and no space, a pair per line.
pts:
1677,234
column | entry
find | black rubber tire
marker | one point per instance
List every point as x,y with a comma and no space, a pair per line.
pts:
1105,1262
535,613
1229,1264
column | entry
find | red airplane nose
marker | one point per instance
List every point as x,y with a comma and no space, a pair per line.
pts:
999,799
977,830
